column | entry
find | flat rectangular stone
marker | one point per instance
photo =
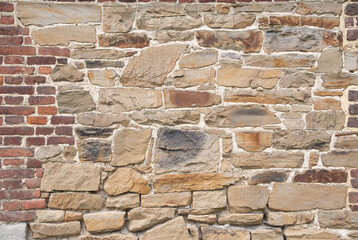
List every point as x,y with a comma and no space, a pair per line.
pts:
166,200
13,231
45,230
340,159
75,201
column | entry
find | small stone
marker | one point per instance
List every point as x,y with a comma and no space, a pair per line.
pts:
173,229
102,78
118,19
168,118
199,59
126,180
75,102
13,231
63,35
209,219
101,119
321,176
97,54
254,141
327,104
75,201
329,120
70,177
208,202
235,21
94,151
287,60
66,72
191,182
169,36
104,64
183,99
73,216
330,61
124,202
118,100
50,215
340,159
301,140
180,23
45,230
286,218
131,40
166,200
298,79
215,233
247,198
143,218
268,177
104,221
264,7
48,152
296,233
247,219
240,116
298,196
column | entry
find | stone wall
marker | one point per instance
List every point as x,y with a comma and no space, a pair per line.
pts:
182,120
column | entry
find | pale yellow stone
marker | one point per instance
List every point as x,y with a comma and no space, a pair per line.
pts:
215,233
173,229
297,233
246,219
166,200
123,202
104,221
46,230
247,198
199,59
50,215
75,201
209,219
286,218
140,219
73,216
208,202
233,76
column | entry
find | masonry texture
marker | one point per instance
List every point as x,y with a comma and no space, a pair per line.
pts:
178,120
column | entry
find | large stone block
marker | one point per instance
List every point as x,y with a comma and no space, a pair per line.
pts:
287,60
118,19
205,202
75,201
143,218
75,102
13,231
301,140
124,202
247,198
104,221
342,219
166,199
340,159
173,229
214,233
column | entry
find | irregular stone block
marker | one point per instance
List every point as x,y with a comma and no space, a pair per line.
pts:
169,118
328,120
269,176
264,7
247,219
45,230
254,141
340,80
183,99
75,102
97,54
286,218
110,237
330,61
342,219
346,142
340,159
91,132
247,198
235,21
296,233
75,201
267,234
104,78
66,72
287,60
209,219
169,36
101,119
173,229
118,19
199,59
124,202
208,202
214,233
104,221
195,77
321,176
131,40
143,218
168,23
301,140
94,151
70,177
298,79
166,200
50,215
13,231
306,8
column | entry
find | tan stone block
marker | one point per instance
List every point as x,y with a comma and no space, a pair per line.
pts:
45,230
215,233
327,104
177,23
296,233
184,99
209,219
168,118
73,216
286,218
110,237
173,229
341,219
347,142
287,140
267,234
102,78
247,198
104,221
328,120
287,60
235,21
340,159
118,19
75,201
124,202
247,219
254,141
102,119
166,200
208,202
97,54
143,218
232,76
199,59
66,72
194,77
50,215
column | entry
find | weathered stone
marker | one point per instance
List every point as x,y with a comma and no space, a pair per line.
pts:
340,159
215,233
195,9
346,142
168,23
123,202
75,102
50,215
47,14
340,80
285,218
161,10
169,118
101,119
168,36
131,40
13,231
268,177
253,141
297,79
306,8
62,35
209,219
104,221
182,99
186,151
296,233
240,116
247,198
266,160
94,151
330,61
110,237
73,216
104,64
75,201
329,120
267,79
321,176
93,132
66,72
97,54
45,230
117,100
287,60
302,39
48,152
191,182
118,19
233,76
298,196
143,218
248,219
208,202
199,59
126,180
338,219
102,78
264,7
151,73
173,229
235,21
267,234
247,41
327,104
301,140
130,146
70,177
166,200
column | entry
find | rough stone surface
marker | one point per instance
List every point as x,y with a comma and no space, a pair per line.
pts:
94,151
199,59
124,202
104,221
75,102
168,118
104,78
330,61
298,79
166,200
254,141
321,176
45,230
235,21
286,218
118,19
75,201
132,40
184,99
140,219
340,159
173,229
208,202
301,140
213,233
50,215
247,198
287,60
66,72
338,219
13,231
168,23
295,233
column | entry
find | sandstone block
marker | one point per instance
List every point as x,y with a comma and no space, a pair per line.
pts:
346,142
75,201
267,234
97,54
209,219
173,229
321,176
296,233
169,36
330,61
45,230
208,202
73,216
110,237
75,102
301,140
124,202
268,177
340,159
329,120
179,23
288,60
199,59
184,99
104,221
104,78
131,40
297,79
166,200
93,132
66,72
101,119
232,76
161,10
235,21
167,118
327,104
247,198
338,219
118,19
340,80
50,215
253,141
143,218
286,218
214,233
247,219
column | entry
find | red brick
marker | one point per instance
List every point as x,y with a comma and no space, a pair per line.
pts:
17,50
17,90
13,80
33,183
37,120
354,183
14,162
6,7
44,70
17,110
34,204
41,60
14,119
353,197
62,120
7,20
14,31
354,173
16,216
16,131
17,173
35,141
15,41
33,163
64,131
11,205
54,51
44,130
13,60
13,100
47,90
48,110
39,172
21,194
12,184
12,141
16,70
60,140
41,100
16,152
32,80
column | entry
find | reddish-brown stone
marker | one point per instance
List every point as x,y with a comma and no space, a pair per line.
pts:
321,176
